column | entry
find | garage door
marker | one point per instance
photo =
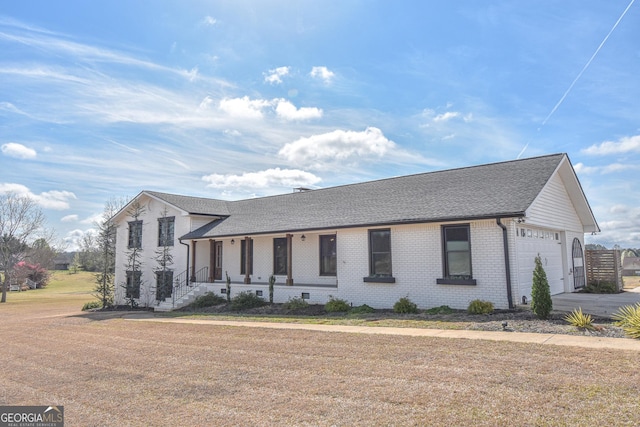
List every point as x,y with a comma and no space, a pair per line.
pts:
530,243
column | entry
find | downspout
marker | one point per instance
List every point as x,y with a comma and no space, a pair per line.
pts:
507,268
187,270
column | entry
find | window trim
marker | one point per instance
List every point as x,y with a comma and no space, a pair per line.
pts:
446,279
135,234
323,238
163,225
373,276
243,255
286,256
133,282
164,274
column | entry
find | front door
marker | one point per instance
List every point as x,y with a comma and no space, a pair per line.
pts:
217,261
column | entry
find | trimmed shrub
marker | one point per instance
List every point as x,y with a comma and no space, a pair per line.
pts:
443,309
92,305
628,318
362,309
272,281
480,307
580,320
541,303
245,300
601,288
405,306
296,303
208,300
336,305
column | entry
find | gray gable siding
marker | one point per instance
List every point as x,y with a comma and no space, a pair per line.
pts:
488,191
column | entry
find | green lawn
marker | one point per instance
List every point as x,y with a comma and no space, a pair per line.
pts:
63,288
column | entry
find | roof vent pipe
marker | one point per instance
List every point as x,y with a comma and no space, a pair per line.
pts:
507,268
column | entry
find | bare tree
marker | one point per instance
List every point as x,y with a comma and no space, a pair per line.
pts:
106,242
134,263
164,256
20,222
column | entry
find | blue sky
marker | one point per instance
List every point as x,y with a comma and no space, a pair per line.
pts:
236,99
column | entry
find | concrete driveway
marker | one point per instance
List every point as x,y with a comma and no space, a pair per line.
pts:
596,304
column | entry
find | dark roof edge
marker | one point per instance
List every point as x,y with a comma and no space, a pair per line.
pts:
373,224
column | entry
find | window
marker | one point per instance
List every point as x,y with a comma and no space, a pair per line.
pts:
164,284
280,256
328,262
135,234
380,253
243,256
133,284
456,250
166,227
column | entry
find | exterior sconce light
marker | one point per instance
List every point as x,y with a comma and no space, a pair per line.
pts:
520,220
303,237
233,241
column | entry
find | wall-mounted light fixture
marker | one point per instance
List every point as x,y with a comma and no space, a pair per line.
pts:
233,241
520,220
303,237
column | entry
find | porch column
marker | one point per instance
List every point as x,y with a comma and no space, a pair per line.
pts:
289,260
212,260
248,262
193,261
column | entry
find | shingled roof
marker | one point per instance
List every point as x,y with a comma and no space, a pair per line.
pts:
504,189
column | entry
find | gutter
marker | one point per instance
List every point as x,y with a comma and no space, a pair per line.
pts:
506,261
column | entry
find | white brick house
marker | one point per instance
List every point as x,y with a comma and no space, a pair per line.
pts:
439,238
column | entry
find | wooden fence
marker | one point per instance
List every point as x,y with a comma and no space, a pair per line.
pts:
604,266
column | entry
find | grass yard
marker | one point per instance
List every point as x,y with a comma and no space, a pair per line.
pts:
631,282
108,371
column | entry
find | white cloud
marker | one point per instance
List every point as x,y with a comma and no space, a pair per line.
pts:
244,107
19,151
322,73
625,144
56,200
69,218
446,116
288,111
580,168
262,180
612,168
209,20
275,76
337,145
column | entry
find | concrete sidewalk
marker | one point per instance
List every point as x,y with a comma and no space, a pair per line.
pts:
522,337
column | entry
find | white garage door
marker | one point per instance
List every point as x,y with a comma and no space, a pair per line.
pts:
530,243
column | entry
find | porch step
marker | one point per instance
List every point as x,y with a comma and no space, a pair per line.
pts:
186,299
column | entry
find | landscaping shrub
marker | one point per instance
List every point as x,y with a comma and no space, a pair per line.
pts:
628,318
362,309
480,307
541,303
580,320
92,305
443,309
601,288
335,305
208,300
296,303
272,281
404,305
245,300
